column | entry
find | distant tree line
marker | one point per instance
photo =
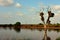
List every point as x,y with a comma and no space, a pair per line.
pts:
19,24
52,25
10,25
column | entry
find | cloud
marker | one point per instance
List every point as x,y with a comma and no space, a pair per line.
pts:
5,16
57,14
53,7
56,7
9,3
19,14
32,9
6,2
18,5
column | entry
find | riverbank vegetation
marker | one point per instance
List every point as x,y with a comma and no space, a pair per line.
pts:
35,25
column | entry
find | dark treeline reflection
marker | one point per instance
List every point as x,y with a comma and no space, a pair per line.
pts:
39,29
17,29
14,28
57,30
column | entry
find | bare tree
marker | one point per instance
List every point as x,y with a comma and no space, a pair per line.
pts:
50,14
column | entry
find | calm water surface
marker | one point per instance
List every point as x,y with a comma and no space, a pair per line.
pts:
26,34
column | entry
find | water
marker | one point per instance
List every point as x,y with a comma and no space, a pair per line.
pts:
26,34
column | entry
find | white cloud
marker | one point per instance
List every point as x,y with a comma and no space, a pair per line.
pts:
6,2
57,15
32,9
19,14
56,7
53,7
9,3
18,5
5,16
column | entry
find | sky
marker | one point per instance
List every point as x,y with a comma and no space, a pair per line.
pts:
28,11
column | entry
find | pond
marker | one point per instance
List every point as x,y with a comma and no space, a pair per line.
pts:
26,34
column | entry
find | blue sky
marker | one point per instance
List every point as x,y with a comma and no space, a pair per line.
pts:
27,11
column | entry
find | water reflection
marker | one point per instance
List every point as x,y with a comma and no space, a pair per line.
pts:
10,28
17,29
27,34
45,36
39,29
48,38
57,30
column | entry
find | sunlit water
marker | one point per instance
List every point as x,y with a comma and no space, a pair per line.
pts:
26,34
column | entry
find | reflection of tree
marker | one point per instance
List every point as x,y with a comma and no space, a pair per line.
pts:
49,30
17,29
31,29
48,38
10,26
39,29
5,26
58,30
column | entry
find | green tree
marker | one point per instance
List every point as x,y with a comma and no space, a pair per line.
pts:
17,24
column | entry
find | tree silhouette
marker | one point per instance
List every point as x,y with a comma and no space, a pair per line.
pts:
42,17
50,14
17,24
